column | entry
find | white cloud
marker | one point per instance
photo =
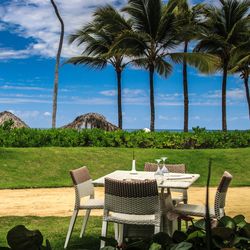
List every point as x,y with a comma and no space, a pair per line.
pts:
22,100
170,103
195,117
125,92
24,88
47,113
169,118
26,114
133,92
232,94
6,53
108,92
36,19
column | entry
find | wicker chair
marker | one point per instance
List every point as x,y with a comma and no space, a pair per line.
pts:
219,204
173,168
131,202
83,188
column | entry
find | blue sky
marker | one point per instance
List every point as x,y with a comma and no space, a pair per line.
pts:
28,43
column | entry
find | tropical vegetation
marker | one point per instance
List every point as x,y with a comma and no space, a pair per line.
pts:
149,34
197,139
224,29
98,37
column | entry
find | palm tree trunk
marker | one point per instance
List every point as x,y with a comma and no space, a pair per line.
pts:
224,98
55,90
185,89
247,92
152,102
119,98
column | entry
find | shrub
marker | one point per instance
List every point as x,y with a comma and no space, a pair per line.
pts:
197,139
20,238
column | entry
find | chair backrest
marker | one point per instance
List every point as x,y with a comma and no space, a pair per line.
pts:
220,196
174,168
82,183
131,197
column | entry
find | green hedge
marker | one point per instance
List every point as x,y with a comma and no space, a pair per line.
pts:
199,138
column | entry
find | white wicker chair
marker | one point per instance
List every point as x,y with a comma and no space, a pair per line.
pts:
173,168
219,204
83,188
131,202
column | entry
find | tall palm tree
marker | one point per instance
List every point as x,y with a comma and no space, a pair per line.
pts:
55,91
224,27
240,63
150,43
97,38
189,22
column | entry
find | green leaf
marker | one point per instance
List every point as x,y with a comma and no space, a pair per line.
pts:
239,219
200,224
162,239
182,246
246,230
223,233
228,222
196,234
108,248
179,236
155,246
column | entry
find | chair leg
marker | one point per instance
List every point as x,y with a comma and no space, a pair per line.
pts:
157,229
185,201
179,224
104,232
85,221
120,235
71,226
116,228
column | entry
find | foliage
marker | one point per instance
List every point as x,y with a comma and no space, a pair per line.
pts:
7,125
198,139
20,238
230,233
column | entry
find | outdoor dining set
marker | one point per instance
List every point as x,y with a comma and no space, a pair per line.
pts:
142,198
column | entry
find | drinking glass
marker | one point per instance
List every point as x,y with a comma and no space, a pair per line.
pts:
158,173
164,168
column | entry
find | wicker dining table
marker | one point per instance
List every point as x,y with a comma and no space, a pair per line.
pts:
165,184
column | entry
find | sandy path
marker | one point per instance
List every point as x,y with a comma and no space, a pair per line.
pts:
60,201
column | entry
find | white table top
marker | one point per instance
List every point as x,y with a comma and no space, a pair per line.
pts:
170,180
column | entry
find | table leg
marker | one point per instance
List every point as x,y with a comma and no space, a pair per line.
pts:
168,226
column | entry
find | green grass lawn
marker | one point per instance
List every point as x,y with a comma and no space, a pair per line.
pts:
49,166
55,229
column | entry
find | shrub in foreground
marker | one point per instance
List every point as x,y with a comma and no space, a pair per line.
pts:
198,138
20,238
229,233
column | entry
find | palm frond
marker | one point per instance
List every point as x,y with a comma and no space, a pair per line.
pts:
130,41
140,62
109,19
206,63
145,15
93,62
162,67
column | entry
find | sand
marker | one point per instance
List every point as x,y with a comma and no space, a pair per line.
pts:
60,201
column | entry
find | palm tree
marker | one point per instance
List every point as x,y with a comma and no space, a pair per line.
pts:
150,42
55,91
240,63
224,27
189,22
98,37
